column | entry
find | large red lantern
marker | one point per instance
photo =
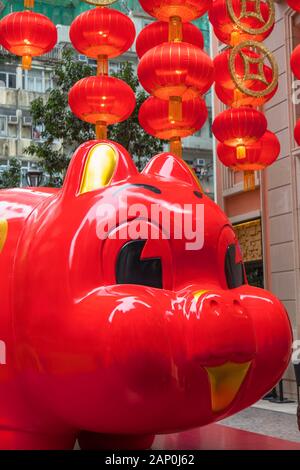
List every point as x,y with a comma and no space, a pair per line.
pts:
258,78
295,62
297,132
102,31
155,120
101,100
239,127
294,4
27,34
259,156
158,32
176,70
232,25
187,10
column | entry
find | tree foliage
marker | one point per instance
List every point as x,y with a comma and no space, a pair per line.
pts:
62,132
11,177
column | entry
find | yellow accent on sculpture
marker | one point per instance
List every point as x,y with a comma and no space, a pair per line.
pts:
99,168
3,233
199,294
225,382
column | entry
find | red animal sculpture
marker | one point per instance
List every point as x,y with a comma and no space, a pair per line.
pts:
113,339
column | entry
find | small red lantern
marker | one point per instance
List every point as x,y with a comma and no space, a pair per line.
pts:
239,127
295,62
102,100
187,10
27,34
102,31
227,90
154,118
294,4
297,132
259,155
176,69
251,27
158,32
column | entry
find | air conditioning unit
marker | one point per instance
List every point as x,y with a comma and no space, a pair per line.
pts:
200,162
13,119
27,121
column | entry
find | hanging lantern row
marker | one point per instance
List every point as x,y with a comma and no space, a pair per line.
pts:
101,34
27,34
295,66
174,69
246,77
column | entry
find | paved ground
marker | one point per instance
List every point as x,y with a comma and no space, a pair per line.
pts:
270,423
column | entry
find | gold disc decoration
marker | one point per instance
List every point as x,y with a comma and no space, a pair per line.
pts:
245,13
264,54
100,3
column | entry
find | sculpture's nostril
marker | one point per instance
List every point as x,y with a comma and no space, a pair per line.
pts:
238,307
215,307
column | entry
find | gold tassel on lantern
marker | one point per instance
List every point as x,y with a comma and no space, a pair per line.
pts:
249,181
29,3
102,65
101,130
175,29
175,109
176,146
241,152
26,62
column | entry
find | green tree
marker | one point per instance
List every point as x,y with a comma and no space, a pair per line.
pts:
62,132
11,178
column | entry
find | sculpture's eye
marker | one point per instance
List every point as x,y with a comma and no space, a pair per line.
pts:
234,270
131,268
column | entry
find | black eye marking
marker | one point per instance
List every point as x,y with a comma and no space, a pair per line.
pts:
198,194
234,272
130,269
148,187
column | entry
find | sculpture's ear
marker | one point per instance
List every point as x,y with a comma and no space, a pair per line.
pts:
95,165
171,167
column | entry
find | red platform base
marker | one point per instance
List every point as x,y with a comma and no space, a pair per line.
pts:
218,437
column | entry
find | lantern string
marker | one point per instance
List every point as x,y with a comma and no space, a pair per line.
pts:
29,4
176,146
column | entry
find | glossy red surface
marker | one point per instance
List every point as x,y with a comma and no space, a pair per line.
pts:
237,126
157,32
154,118
102,31
176,69
123,362
294,4
295,62
259,155
102,98
224,26
27,33
188,10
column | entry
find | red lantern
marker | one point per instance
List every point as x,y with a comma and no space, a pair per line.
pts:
176,70
239,127
228,32
27,34
258,156
227,90
154,118
295,62
102,31
158,32
294,4
102,100
297,132
187,10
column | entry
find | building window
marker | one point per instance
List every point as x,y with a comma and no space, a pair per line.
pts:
3,125
37,131
8,80
37,80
